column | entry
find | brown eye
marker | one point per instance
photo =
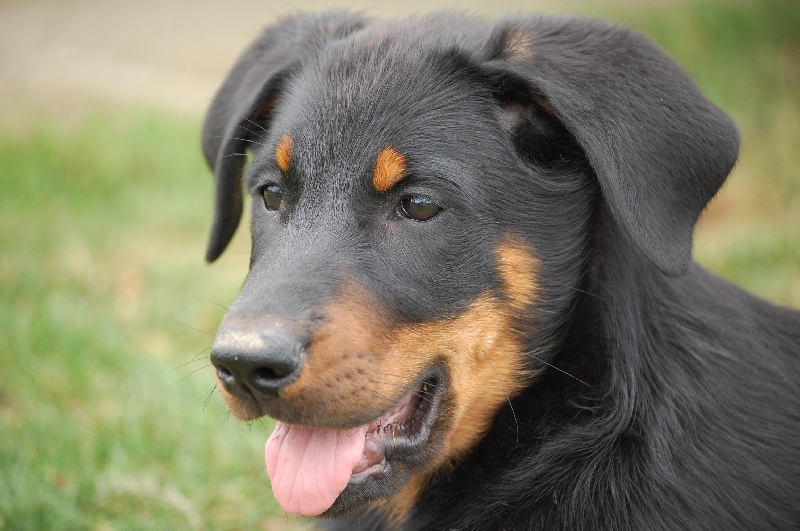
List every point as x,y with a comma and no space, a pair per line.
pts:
418,208
272,196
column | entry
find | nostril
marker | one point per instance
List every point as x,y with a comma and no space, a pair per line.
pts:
273,375
225,376
267,373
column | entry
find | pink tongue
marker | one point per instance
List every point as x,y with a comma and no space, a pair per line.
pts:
310,467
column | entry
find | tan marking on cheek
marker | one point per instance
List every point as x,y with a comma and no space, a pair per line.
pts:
485,359
517,268
283,153
348,378
390,168
490,365
486,368
485,365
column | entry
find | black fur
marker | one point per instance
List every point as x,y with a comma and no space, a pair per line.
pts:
589,143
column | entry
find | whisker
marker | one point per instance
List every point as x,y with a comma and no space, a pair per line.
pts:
248,130
257,134
556,368
194,371
220,305
205,404
577,289
503,386
236,138
193,360
257,125
201,352
196,329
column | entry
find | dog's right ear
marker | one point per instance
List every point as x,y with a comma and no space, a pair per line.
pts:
659,149
243,104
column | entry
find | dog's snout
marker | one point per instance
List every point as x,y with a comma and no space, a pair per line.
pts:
261,361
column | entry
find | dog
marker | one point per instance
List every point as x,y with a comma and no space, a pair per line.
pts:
471,301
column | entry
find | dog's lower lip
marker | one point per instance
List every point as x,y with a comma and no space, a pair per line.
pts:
406,425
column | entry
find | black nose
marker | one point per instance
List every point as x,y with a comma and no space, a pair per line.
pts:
256,358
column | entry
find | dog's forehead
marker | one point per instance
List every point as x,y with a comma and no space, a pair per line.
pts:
399,54
390,87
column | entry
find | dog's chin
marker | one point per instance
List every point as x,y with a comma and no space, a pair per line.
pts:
244,410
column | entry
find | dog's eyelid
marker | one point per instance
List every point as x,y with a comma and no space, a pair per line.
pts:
415,184
259,180
440,190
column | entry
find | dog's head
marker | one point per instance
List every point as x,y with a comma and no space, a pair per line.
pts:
422,199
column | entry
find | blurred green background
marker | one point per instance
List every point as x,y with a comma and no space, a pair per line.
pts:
108,416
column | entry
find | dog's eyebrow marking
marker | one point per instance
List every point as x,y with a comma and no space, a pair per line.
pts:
390,169
283,153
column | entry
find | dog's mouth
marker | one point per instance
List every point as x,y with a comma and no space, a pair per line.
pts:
323,471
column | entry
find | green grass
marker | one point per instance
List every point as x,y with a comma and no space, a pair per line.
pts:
104,420
106,425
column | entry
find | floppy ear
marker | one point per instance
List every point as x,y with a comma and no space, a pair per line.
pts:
239,114
659,148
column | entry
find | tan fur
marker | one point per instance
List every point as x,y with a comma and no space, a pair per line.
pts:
243,410
283,153
390,168
349,377
484,356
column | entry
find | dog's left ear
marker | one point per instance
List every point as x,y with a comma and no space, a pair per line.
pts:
239,116
659,148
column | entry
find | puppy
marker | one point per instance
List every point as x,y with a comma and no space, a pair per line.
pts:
471,301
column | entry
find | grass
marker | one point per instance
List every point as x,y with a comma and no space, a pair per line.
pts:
104,421
107,411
